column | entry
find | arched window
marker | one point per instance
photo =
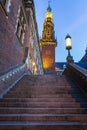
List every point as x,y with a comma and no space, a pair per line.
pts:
20,26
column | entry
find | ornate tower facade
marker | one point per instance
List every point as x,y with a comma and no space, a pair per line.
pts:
48,43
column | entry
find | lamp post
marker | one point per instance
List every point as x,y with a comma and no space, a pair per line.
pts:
68,44
68,40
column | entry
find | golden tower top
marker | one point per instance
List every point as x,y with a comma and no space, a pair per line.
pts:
48,34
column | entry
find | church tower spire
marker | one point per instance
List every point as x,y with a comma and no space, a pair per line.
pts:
49,13
48,33
48,42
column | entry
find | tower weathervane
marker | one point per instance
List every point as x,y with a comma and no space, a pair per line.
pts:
49,2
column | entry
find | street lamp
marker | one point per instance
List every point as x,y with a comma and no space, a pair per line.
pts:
68,43
68,40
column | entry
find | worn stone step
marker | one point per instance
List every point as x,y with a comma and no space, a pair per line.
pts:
75,92
51,104
38,89
82,104
83,99
78,95
20,110
38,96
37,100
80,99
60,88
43,126
40,104
38,92
44,117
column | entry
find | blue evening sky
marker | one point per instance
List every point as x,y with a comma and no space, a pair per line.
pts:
69,16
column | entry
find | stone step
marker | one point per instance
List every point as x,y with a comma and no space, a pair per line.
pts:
79,94
37,100
49,99
21,110
44,117
25,95
43,103
75,92
80,99
34,92
43,125
40,104
55,87
39,95
38,92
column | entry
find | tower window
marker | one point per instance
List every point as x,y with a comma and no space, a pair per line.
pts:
21,23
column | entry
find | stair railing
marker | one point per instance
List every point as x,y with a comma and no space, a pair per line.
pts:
12,72
83,71
10,78
78,74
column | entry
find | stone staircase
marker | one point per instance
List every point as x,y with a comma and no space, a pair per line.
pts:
46,102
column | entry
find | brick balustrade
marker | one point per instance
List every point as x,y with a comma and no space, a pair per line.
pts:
78,74
10,78
82,70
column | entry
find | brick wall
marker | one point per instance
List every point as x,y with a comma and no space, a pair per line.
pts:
11,51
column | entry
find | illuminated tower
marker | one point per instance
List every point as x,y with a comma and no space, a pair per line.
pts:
48,43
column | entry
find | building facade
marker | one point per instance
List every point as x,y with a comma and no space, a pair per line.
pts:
48,43
34,56
19,41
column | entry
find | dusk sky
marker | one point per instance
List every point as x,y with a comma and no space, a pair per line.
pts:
69,16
